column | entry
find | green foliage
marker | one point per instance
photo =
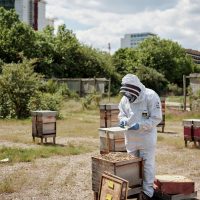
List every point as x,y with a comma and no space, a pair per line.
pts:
173,89
91,101
195,101
46,101
15,37
196,68
125,61
18,83
1,65
92,62
162,61
52,86
21,91
165,56
152,79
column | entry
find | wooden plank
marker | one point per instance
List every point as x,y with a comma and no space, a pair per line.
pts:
46,119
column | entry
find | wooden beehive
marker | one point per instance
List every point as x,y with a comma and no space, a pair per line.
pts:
112,140
112,187
43,124
188,129
196,129
174,184
120,164
109,115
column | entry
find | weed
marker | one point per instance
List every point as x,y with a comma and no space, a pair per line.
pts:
13,182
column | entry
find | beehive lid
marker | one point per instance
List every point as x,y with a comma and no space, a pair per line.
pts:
110,106
112,129
188,122
118,158
196,122
172,178
43,113
113,132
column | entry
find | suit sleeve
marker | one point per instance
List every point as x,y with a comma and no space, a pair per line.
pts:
155,113
123,116
125,113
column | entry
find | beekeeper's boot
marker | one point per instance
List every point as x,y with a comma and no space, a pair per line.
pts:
143,196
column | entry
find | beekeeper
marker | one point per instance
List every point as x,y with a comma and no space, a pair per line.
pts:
140,113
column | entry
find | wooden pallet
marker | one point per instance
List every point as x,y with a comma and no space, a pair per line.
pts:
162,196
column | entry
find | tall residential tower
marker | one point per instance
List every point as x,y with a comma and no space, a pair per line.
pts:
31,12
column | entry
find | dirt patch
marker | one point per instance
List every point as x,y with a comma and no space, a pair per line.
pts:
69,177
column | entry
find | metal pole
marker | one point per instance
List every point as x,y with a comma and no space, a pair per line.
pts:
109,89
184,92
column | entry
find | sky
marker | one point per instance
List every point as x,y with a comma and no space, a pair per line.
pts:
99,22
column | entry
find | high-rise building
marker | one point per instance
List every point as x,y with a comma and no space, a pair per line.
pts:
132,40
31,12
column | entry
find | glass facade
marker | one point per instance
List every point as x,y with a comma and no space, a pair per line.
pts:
7,4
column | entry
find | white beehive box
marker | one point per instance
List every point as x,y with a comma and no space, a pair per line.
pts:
112,140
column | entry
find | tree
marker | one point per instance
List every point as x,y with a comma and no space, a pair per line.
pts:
152,79
125,60
16,38
165,56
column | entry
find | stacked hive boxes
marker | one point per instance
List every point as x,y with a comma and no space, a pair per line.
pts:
111,140
196,130
109,115
191,130
44,124
120,164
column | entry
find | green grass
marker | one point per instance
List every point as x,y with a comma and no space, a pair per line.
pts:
178,99
30,154
177,115
175,141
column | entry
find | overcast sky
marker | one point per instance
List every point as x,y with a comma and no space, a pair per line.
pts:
99,22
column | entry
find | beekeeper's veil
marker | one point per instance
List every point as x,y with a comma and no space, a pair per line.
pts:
132,85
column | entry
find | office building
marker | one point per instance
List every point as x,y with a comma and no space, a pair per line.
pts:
132,40
31,12
194,54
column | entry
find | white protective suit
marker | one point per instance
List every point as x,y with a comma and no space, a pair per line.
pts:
146,111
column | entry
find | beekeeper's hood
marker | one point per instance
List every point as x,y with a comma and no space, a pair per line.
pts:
132,84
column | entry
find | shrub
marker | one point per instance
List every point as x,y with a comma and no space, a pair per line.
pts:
174,89
152,79
18,83
46,101
91,100
52,86
195,101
